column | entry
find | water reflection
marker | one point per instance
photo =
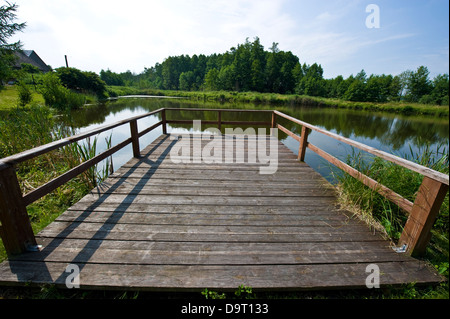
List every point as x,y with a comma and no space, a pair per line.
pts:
392,133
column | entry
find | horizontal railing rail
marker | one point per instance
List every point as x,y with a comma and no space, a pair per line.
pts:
17,235
219,122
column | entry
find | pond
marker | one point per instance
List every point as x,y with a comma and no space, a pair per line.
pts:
392,133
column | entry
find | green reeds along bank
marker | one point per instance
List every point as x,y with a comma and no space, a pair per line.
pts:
380,211
25,128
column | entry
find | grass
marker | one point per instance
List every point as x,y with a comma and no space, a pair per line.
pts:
9,97
289,100
382,214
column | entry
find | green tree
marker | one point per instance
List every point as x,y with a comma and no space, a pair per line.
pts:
187,80
227,80
312,83
356,91
418,84
111,78
212,80
7,29
440,89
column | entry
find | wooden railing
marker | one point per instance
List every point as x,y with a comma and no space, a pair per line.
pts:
422,213
18,237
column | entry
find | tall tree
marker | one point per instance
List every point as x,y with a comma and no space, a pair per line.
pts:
418,84
7,29
440,89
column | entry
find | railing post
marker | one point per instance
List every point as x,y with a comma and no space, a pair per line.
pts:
135,138
417,231
303,143
219,120
274,120
164,121
15,226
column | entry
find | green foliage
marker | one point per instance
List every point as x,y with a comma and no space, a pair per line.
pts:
29,68
111,78
210,294
82,81
25,95
7,29
244,292
58,96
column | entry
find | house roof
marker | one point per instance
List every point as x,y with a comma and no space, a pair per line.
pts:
31,57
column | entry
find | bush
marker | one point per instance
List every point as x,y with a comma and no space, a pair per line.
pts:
82,82
57,96
25,95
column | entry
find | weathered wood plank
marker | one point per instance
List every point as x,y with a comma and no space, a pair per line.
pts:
205,219
310,208
173,278
158,190
100,255
203,200
326,229
305,247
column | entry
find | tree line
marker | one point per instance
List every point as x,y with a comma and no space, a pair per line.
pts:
249,67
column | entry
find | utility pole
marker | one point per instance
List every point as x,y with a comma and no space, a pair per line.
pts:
67,64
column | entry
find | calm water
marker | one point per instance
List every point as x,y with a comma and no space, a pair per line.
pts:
394,134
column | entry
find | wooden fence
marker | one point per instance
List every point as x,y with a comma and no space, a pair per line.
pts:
18,237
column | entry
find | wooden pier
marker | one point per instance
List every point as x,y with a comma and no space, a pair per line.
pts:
160,224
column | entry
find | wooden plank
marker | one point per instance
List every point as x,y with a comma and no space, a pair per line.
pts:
269,256
230,176
146,190
144,218
197,277
203,200
325,229
318,208
51,244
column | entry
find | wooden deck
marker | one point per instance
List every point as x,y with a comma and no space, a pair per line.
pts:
157,225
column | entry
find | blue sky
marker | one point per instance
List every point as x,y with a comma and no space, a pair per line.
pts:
130,35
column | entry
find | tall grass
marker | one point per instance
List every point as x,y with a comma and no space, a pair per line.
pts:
25,128
406,183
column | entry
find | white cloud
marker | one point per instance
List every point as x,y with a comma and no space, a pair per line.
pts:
134,34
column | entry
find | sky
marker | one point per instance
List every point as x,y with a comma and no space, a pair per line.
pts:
344,36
